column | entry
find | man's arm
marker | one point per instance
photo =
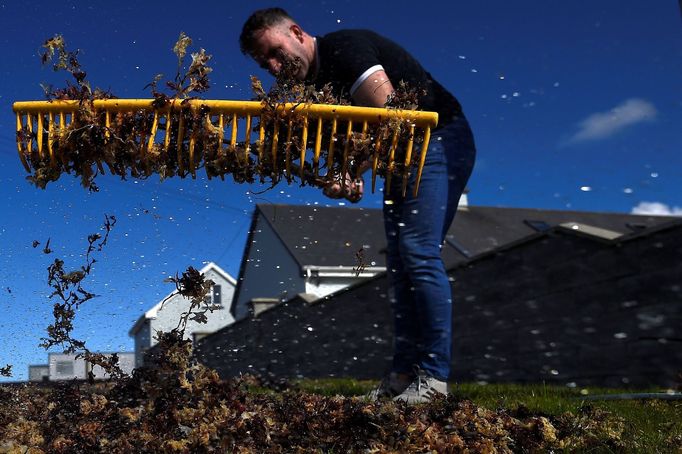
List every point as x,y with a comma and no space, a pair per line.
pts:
374,91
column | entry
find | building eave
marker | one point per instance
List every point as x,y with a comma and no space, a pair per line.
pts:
151,313
341,271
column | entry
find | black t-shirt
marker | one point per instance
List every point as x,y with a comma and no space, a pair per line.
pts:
347,57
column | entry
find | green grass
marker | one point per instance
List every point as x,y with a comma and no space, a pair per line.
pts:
650,425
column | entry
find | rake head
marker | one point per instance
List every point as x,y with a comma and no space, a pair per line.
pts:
312,143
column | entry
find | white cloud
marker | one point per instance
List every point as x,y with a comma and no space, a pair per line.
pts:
656,209
601,125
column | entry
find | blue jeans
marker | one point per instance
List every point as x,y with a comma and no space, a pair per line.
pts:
420,291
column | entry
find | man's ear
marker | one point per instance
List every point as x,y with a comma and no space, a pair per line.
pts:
297,31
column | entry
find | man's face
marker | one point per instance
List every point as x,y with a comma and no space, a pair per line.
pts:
277,45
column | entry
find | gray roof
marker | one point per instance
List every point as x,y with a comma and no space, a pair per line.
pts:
330,236
482,229
327,236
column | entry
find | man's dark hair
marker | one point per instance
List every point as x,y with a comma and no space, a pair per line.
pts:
259,20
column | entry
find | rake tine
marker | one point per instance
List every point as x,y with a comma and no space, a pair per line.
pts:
261,140
275,141
330,152
107,136
408,158
363,135
192,167
98,160
62,134
247,144
62,124
107,124
40,134
181,137
50,138
19,144
167,137
375,161
287,150
221,137
233,137
344,164
390,163
143,156
304,141
207,153
29,123
422,158
221,134
155,125
318,146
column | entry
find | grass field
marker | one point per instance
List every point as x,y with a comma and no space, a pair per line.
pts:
645,425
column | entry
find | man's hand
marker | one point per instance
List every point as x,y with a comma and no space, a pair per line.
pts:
347,188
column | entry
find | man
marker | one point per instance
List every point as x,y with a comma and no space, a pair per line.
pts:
367,66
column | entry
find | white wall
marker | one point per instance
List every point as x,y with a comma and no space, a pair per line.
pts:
57,361
126,361
168,317
271,271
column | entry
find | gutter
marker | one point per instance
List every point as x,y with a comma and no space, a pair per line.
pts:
313,271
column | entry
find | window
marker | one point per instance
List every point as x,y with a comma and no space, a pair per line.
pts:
217,295
216,301
64,368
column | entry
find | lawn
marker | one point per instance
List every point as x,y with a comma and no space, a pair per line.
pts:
641,425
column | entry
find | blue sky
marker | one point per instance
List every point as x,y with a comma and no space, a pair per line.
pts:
574,105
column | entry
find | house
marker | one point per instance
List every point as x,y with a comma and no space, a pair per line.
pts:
39,372
577,298
166,314
65,366
312,251
308,250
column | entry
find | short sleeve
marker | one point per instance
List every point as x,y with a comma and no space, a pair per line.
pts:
351,58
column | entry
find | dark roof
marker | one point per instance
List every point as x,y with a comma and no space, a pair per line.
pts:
330,236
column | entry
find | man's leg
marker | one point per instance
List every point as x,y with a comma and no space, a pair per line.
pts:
421,225
405,330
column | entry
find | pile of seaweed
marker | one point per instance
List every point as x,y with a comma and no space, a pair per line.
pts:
181,406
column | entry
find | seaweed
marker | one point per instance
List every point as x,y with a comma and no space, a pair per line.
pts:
126,145
67,289
6,371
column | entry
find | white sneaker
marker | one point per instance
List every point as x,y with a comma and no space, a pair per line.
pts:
391,385
422,389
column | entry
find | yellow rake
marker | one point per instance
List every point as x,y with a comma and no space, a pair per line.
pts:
42,126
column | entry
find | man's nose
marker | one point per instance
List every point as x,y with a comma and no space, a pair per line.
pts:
274,65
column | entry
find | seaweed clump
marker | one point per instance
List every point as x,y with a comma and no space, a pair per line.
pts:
179,134
69,293
6,371
181,407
